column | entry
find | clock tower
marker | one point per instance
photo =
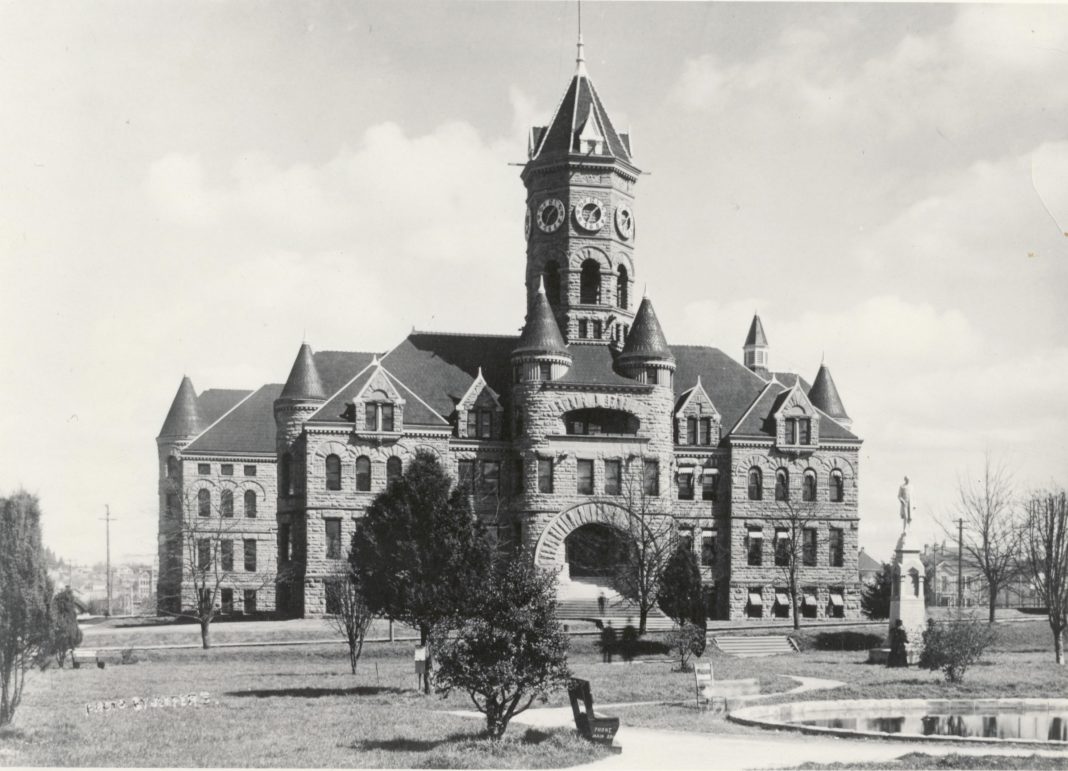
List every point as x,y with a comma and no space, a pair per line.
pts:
580,217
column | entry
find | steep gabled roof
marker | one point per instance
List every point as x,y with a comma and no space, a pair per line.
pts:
304,381
592,365
756,334
580,107
757,420
825,396
247,428
646,337
183,418
728,383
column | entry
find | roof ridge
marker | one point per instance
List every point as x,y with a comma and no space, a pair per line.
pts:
404,385
753,404
456,334
332,396
219,419
552,121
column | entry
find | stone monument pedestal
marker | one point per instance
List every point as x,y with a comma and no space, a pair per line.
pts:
906,600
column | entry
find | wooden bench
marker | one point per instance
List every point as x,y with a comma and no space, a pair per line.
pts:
600,729
79,657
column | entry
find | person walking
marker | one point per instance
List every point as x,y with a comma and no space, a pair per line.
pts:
899,655
629,641
602,602
608,642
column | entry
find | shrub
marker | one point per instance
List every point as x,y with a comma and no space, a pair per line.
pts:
687,640
847,641
875,597
64,634
128,656
953,646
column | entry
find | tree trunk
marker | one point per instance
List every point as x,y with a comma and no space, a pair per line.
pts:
424,640
205,628
352,655
993,602
1058,646
797,620
643,614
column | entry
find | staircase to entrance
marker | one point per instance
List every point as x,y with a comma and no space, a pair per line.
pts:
577,600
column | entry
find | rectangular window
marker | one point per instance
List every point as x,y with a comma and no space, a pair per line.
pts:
250,555
387,417
708,548
709,486
333,596
250,601
465,472
283,543
651,477
686,538
837,597
691,430
227,469
704,435
837,550
370,417
491,477
790,431
545,475
804,431
203,554
755,548
250,471
545,370
755,606
203,468
485,424
782,547
472,424
226,554
172,504
808,555
613,477
685,482
809,603
584,329
585,477
227,600
333,539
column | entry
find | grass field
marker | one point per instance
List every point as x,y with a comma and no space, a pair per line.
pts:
299,706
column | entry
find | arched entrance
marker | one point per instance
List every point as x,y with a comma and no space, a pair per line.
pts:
593,534
595,551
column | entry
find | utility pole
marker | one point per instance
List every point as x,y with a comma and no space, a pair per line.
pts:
107,563
960,566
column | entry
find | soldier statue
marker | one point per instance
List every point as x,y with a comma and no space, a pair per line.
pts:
904,497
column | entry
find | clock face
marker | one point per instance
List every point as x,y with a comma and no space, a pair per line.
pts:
550,215
624,221
526,224
589,214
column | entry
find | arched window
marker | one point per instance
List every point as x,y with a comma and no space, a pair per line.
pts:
590,283
204,503
363,474
172,467
393,469
622,288
782,485
598,420
756,484
808,487
250,504
226,503
837,487
333,472
552,282
285,472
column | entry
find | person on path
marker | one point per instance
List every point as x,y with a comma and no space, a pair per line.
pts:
602,601
899,656
630,641
608,642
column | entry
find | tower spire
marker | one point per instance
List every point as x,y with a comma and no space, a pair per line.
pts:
580,58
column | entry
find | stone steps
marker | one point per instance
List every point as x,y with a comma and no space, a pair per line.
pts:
753,646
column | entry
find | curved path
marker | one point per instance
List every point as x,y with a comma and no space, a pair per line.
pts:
657,748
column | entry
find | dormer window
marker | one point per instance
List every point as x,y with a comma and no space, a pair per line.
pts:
378,413
798,431
480,424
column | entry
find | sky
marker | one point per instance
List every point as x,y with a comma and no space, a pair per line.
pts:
196,187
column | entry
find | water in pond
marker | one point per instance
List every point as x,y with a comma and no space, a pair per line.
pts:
1038,725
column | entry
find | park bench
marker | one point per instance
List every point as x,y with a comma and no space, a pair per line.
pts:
714,694
79,657
600,729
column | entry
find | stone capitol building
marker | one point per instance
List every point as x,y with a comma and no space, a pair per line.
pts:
587,422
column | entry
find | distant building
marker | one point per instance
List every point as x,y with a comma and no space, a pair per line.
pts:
868,568
942,570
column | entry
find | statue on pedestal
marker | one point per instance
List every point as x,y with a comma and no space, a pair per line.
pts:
904,497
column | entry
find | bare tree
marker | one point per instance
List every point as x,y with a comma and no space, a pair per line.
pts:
992,530
650,540
206,537
791,518
1045,559
351,617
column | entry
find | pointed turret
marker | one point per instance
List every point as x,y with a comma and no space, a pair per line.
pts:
756,348
824,395
304,381
541,343
646,355
183,420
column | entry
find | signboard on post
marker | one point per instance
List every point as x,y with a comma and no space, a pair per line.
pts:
420,660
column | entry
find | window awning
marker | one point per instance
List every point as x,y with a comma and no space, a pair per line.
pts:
685,470
754,598
708,531
809,598
781,598
756,533
709,472
836,600
782,535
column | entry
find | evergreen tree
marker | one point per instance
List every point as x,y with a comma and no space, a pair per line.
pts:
875,597
64,635
419,552
680,594
24,597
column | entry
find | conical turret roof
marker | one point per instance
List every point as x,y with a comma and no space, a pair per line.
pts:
756,334
304,381
541,334
824,394
183,419
646,338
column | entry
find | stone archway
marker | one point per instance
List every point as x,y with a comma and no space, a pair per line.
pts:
549,553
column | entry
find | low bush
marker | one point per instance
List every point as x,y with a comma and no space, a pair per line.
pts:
953,646
847,641
128,656
688,640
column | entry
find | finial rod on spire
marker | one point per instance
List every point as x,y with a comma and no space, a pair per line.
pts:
580,59
541,284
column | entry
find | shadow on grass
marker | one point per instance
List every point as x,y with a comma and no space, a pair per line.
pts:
531,737
316,693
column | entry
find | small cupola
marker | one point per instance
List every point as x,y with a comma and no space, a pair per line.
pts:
824,396
540,353
756,349
645,355
183,419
